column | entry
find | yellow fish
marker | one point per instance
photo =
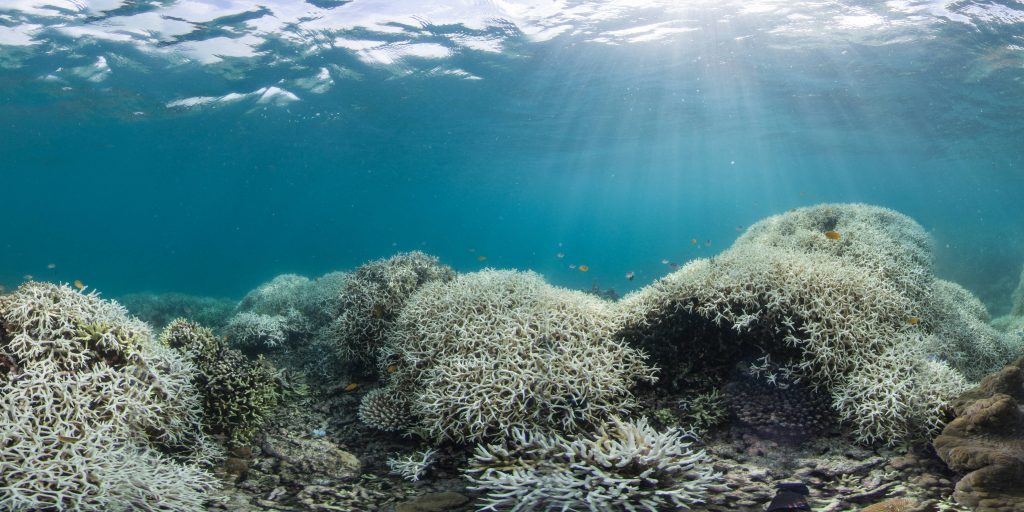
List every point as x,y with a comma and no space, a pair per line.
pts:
68,440
914,320
833,235
481,258
79,284
351,387
583,268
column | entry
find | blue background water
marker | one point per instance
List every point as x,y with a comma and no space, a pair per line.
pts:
615,154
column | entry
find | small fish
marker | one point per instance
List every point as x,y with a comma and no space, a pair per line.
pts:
27,277
481,258
393,368
833,235
572,266
739,228
79,285
673,264
472,249
68,439
707,243
583,268
630,276
914,320
318,432
51,266
351,387
560,255
693,241
664,262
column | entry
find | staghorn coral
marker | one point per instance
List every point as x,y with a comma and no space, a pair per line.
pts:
494,351
276,296
94,415
836,314
623,466
412,467
238,393
372,297
257,332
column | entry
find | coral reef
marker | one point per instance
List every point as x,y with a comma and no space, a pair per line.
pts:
856,315
791,413
1013,323
986,441
258,332
158,309
494,351
623,466
372,298
94,414
238,393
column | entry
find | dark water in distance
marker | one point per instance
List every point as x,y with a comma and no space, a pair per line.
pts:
163,147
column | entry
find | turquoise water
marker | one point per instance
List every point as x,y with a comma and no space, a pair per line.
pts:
205,146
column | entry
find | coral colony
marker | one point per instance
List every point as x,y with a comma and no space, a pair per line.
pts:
823,322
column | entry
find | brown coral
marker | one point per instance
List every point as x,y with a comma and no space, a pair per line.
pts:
986,441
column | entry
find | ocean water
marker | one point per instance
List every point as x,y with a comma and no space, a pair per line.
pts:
205,146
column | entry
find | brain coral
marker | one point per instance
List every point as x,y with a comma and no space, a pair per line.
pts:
986,441
494,351
859,317
94,414
372,297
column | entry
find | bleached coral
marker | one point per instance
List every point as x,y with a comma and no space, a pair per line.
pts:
830,311
412,467
158,309
624,466
276,296
257,331
372,297
91,407
385,409
494,351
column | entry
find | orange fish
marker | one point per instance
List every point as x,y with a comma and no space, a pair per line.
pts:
914,320
833,235
693,241
481,258
351,387
584,268
393,368
79,284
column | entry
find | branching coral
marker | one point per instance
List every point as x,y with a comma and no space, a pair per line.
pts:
90,405
494,351
372,297
238,393
624,466
412,467
835,313
158,309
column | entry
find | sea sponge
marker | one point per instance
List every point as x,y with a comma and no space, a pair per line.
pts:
623,466
94,414
238,393
836,314
493,351
372,297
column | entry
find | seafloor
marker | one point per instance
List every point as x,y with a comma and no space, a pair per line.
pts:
820,349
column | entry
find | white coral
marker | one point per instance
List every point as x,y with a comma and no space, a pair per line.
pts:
494,351
412,467
624,466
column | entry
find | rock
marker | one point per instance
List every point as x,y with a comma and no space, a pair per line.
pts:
434,502
305,462
986,441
